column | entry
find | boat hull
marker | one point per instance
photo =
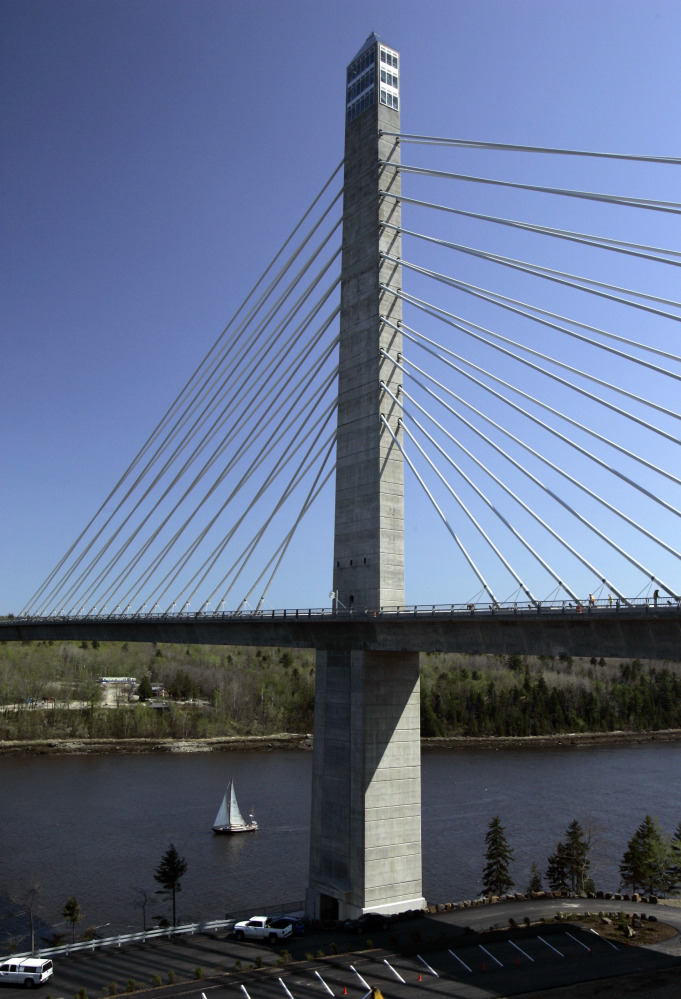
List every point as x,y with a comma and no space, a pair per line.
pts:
232,830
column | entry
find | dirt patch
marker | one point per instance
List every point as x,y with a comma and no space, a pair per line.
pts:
646,933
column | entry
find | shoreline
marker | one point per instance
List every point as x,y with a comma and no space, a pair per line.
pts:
303,741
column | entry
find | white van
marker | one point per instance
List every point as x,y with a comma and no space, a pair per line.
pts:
27,972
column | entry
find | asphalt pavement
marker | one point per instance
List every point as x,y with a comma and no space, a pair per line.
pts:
470,953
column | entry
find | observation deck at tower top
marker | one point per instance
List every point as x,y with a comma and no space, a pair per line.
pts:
640,628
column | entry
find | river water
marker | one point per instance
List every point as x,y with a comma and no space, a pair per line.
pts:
97,826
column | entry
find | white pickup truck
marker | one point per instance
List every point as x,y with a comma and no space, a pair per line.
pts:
263,928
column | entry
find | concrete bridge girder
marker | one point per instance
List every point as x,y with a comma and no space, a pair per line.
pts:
647,633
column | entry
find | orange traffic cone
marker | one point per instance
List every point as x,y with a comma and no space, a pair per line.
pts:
517,962
419,976
484,968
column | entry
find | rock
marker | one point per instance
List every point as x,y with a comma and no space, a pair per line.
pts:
629,932
606,921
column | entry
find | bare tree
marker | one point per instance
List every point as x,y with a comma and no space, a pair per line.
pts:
27,900
141,902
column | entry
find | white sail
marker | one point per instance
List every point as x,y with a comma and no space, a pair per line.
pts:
222,818
236,819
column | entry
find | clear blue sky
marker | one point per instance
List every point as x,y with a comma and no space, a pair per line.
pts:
143,143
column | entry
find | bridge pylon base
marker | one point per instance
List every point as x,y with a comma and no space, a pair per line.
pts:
365,849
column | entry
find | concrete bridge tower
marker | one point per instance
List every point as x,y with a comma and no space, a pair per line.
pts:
365,849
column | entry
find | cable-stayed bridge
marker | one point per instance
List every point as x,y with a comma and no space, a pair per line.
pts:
497,357
538,409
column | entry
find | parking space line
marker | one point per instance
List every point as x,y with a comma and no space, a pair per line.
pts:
395,973
285,988
323,983
243,989
484,949
365,984
425,963
457,958
551,946
521,951
604,939
580,942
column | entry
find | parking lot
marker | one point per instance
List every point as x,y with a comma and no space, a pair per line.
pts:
434,956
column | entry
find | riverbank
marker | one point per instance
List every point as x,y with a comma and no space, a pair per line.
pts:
303,741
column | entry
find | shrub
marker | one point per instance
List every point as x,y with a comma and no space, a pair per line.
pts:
198,972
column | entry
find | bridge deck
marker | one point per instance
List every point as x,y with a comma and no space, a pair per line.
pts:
643,630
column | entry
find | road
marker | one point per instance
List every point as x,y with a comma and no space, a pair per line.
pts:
436,955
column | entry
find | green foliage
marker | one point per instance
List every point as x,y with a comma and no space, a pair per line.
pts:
246,691
496,878
645,862
144,690
568,867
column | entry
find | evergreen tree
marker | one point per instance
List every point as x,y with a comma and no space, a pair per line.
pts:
645,861
72,914
144,690
495,877
535,879
568,867
168,874
577,857
673,880
557,870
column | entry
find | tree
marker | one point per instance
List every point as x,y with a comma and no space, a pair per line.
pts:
556,872
168,874
27,899
577,857
535,879
495,877
144,690
673,881
72,914
141,903
568,867
645,861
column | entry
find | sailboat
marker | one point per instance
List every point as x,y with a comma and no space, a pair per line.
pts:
229,819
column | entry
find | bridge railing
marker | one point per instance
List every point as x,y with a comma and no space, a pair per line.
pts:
187,929
123,939
509,607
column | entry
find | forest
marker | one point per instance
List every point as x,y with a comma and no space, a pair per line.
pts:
51,690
